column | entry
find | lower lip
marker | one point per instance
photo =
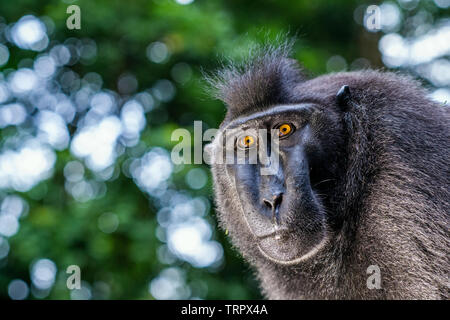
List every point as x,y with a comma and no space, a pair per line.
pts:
278,234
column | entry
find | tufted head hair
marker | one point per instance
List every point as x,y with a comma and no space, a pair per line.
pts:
264,79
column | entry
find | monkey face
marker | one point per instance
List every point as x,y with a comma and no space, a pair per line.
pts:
266,171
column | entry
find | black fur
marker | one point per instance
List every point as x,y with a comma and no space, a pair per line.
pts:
388,201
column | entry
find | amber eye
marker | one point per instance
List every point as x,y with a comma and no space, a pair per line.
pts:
284,129
246,141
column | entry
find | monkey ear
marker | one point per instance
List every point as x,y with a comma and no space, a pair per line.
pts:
343,97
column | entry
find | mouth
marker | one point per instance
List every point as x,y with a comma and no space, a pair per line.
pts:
283,245
278,233
297,236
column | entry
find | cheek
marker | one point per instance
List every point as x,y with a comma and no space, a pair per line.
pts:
230,213
245,179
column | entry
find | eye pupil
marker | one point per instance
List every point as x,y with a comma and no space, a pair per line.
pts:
246,141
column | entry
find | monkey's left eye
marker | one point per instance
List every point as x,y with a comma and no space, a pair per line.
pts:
285,129
246,141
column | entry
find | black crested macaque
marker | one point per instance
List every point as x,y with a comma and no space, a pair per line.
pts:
358,207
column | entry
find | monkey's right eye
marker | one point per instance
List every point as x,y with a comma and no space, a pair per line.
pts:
246,142
285,129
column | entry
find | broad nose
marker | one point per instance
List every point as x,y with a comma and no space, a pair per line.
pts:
274,202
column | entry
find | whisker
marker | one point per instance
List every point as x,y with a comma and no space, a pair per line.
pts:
326,180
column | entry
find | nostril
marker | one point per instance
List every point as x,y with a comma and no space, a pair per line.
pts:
275,202
267,203
277,199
